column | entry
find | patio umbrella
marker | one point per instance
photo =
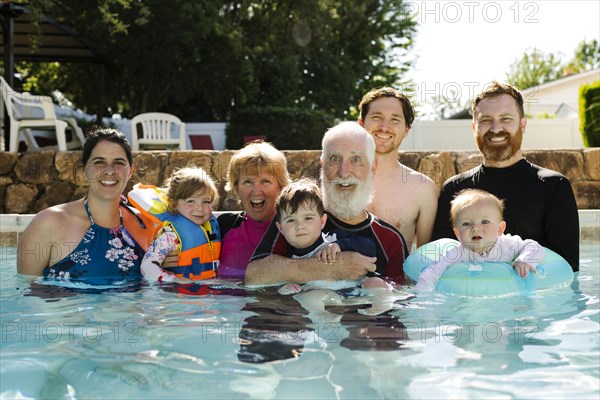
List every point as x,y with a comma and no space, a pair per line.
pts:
54,42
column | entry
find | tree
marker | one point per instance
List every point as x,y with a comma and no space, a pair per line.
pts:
534,68
203,59
537,67
586,58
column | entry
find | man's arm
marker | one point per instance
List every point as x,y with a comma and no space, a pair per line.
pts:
427,213
275,269
562,224
442,227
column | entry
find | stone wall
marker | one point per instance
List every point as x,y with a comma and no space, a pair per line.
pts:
30,182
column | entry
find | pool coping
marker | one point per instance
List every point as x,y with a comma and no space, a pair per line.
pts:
13,224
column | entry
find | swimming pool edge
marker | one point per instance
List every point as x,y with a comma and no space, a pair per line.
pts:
13,224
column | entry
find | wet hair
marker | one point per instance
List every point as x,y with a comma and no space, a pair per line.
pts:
353,132
105,134
256,157
470,197
184,182
301,193
496,89
371,96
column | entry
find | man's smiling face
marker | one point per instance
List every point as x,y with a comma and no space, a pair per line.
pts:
385,121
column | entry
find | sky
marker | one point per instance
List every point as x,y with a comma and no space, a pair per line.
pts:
462,45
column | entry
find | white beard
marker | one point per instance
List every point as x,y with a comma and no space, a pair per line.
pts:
346,205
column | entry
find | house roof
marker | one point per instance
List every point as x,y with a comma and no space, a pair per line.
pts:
52,41
585,76
564,81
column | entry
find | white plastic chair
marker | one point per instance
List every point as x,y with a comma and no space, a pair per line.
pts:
28,113
156,132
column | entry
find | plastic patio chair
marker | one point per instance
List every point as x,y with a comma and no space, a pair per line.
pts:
157,132
29,114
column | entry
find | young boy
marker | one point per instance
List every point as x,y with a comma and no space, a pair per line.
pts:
476,216
300,217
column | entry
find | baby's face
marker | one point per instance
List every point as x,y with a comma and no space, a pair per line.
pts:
197,208
478,226
302,228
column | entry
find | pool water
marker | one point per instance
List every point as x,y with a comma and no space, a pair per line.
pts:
225,342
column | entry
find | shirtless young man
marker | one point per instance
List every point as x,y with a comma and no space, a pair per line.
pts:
402,197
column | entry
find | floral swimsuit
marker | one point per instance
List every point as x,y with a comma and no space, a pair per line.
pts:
103,256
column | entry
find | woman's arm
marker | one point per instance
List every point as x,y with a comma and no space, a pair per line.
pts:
36,245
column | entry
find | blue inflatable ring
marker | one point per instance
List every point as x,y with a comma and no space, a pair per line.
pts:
488,278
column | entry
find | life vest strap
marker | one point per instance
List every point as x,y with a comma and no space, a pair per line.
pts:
197,270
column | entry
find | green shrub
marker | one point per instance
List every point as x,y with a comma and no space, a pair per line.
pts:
286,128
589,113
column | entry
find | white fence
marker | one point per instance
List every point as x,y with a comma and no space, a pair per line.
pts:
560,133
216,131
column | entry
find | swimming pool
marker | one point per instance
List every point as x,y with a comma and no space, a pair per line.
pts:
225,342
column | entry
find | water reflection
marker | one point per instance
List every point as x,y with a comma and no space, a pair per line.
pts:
277,331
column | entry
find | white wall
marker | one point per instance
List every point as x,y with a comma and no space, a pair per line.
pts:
216,130
560,133
548,97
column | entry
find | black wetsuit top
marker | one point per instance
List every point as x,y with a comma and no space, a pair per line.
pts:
230,220
539,205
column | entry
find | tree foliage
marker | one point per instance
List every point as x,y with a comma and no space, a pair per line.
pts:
203,59
589,113
536,67
587,57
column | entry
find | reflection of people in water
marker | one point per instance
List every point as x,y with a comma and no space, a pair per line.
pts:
205,289
51,291
278,331
370,332
364,313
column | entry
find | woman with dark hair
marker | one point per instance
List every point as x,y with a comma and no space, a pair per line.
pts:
97,238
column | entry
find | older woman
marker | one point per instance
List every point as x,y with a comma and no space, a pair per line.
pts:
94,238
256,175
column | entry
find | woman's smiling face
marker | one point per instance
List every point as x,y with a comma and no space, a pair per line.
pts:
108,170
257,191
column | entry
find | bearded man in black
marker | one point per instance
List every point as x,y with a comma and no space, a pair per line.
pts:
539,203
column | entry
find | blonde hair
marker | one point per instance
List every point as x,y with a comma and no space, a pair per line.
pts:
184,182
258,156
470,197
